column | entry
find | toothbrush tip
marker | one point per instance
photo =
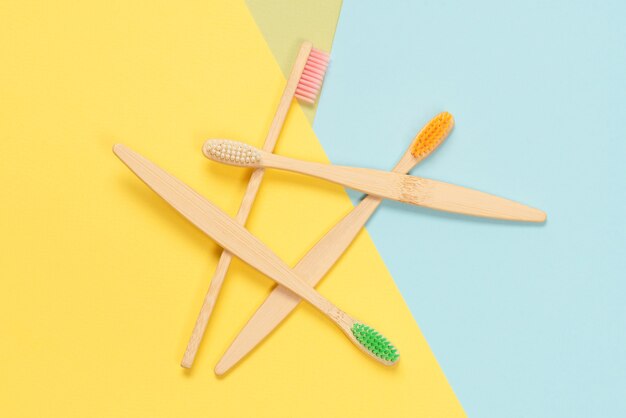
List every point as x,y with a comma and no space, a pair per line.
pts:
536,216
117,148
432,134
219,370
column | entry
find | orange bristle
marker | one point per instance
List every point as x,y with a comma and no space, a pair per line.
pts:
432,134
312,76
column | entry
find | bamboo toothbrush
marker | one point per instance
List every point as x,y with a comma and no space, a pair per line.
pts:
316,263
396,186
231,235
304,83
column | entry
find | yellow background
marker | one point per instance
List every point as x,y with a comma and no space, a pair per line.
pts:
101,281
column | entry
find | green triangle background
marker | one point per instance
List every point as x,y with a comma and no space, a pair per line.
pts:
286,23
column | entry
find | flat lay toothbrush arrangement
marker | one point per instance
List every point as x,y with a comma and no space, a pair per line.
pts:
323,255
230,235
304,83
298,283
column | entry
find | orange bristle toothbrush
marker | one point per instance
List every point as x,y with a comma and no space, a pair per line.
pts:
319,259
304,83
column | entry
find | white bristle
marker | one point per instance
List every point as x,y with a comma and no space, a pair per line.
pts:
231,152
312,76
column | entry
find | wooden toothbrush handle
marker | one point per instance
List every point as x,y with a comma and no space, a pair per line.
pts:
375,182
246,206
223,229
281,302
312,268
287,97
418,191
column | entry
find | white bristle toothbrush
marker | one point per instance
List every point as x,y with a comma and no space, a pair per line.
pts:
231,235
323,255
305,82
401,187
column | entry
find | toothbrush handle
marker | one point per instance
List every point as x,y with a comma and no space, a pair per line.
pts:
418,191
375,182
224,230
220,274
245,208
312,268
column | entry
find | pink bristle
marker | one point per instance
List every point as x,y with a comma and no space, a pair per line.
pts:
313,72
311,90
304,99
320,54
315,67
311,79
315,61
307,83
305,96
305,93
312,76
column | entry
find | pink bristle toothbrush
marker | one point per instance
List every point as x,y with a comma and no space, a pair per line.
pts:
305,82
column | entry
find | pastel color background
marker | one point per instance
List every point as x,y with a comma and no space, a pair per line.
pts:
525,320
285,24
101,281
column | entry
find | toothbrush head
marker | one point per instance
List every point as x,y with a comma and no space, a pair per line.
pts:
312,76
432,135
375,343
232,152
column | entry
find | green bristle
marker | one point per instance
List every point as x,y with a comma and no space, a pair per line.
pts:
375,342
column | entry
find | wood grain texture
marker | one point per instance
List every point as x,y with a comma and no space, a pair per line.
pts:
246,206
417,191
232,236
312,268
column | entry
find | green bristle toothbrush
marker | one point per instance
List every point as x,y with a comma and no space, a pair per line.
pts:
235,238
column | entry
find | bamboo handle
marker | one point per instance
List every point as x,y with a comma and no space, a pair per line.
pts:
312,268
226,231
246,206
376,182
231,235
410,189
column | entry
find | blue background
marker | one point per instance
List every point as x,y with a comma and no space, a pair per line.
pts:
525,320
